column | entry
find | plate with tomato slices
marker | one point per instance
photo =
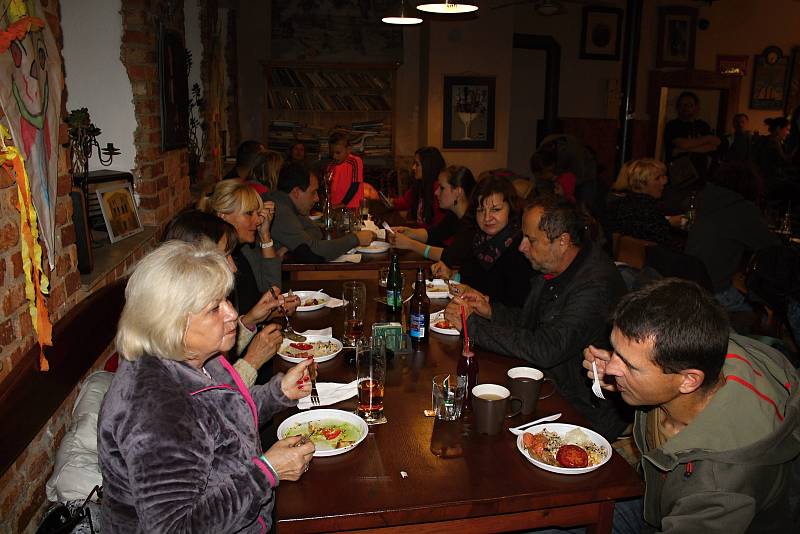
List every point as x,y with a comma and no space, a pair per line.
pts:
563,448
322,348
441,325
333,432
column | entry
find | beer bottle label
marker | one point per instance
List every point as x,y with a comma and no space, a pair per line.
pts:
417,326
393,298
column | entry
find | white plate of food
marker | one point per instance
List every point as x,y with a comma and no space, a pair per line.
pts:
376,247
323,348
310,300
332,431
441,325
315,215
437,289
556,447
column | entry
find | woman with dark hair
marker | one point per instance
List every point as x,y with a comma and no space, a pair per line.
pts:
455,187
494,265
419,199
728,225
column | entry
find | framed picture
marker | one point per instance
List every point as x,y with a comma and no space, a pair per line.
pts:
174,85
676,37
793,87
769,79
468,112
732,65
119,211
601,35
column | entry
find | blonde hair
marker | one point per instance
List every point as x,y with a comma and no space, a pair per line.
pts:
170,283
274,162
635,174
231,196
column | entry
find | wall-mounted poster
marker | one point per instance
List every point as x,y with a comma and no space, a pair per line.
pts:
676,37
793,87
119,211
468,112
602,33
769,79
174,91
732,65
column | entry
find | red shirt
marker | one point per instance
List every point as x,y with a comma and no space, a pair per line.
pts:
345,175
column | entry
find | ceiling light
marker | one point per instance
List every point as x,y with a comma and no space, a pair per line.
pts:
402,19
448,7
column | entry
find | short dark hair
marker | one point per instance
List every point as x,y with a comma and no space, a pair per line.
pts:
689,94
250,154
776,123
560,216
193,225
736,116
688,327
501,185
338,137
294,175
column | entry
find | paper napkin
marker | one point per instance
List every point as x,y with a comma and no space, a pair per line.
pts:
330,393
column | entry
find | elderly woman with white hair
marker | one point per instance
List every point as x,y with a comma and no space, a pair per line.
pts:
178,437
638,214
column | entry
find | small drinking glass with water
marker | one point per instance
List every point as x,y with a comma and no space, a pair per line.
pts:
448,396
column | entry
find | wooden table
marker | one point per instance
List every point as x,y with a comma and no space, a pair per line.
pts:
366,269
486,487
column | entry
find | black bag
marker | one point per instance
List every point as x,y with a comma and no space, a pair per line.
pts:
66,518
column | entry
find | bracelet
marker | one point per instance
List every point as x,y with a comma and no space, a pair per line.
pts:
268,244
427,251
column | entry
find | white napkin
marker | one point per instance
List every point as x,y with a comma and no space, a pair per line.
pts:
334,303
326,332
330,393
352,258
369,224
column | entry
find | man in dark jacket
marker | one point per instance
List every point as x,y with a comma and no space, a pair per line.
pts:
571,296
717,414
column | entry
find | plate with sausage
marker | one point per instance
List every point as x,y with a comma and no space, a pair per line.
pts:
322,348
563,448
441,325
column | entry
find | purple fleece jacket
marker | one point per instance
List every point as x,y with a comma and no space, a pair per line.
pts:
179,452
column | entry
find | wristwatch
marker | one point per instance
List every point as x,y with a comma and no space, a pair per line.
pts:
268,244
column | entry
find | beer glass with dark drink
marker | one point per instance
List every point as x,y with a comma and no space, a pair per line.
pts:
354,295
371,378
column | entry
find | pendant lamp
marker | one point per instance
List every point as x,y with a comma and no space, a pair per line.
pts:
402,19
448,7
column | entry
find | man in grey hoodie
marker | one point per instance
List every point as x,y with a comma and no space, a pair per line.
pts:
717,414
291,227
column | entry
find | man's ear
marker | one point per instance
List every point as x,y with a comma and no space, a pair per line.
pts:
691,380
295,192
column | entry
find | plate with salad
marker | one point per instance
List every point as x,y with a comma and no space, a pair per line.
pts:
332,432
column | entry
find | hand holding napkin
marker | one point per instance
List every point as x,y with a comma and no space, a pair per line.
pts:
330,393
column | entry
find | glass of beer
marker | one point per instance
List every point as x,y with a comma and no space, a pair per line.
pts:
371,378
354,295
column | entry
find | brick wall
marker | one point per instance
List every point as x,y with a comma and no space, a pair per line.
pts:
162,177
163,184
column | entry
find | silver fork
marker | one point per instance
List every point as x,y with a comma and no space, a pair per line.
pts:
288,331
314,393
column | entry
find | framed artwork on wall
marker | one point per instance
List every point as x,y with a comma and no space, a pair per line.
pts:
769,79
793,87
676,37
119,211
468,112
174,85
601,34
732,65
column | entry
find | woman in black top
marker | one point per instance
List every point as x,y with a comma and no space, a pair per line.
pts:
494,265
455,187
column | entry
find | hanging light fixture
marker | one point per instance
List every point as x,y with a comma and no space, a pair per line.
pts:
448,7
402,19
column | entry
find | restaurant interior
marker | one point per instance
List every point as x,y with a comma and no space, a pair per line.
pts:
143,105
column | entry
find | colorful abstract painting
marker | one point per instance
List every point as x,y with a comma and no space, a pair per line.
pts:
30,97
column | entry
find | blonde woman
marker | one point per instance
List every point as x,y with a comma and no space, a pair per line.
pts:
178,433
272,168
638,214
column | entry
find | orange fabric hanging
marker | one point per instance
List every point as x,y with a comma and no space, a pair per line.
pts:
36,281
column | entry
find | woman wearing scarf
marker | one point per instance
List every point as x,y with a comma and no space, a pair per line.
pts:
489,259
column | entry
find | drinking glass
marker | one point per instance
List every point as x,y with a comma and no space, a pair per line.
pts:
448,396
371,378
354,295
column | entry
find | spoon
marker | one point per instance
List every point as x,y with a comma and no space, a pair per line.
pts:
596,388
519,430
288,331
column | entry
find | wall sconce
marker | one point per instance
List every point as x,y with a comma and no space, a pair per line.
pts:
83,136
